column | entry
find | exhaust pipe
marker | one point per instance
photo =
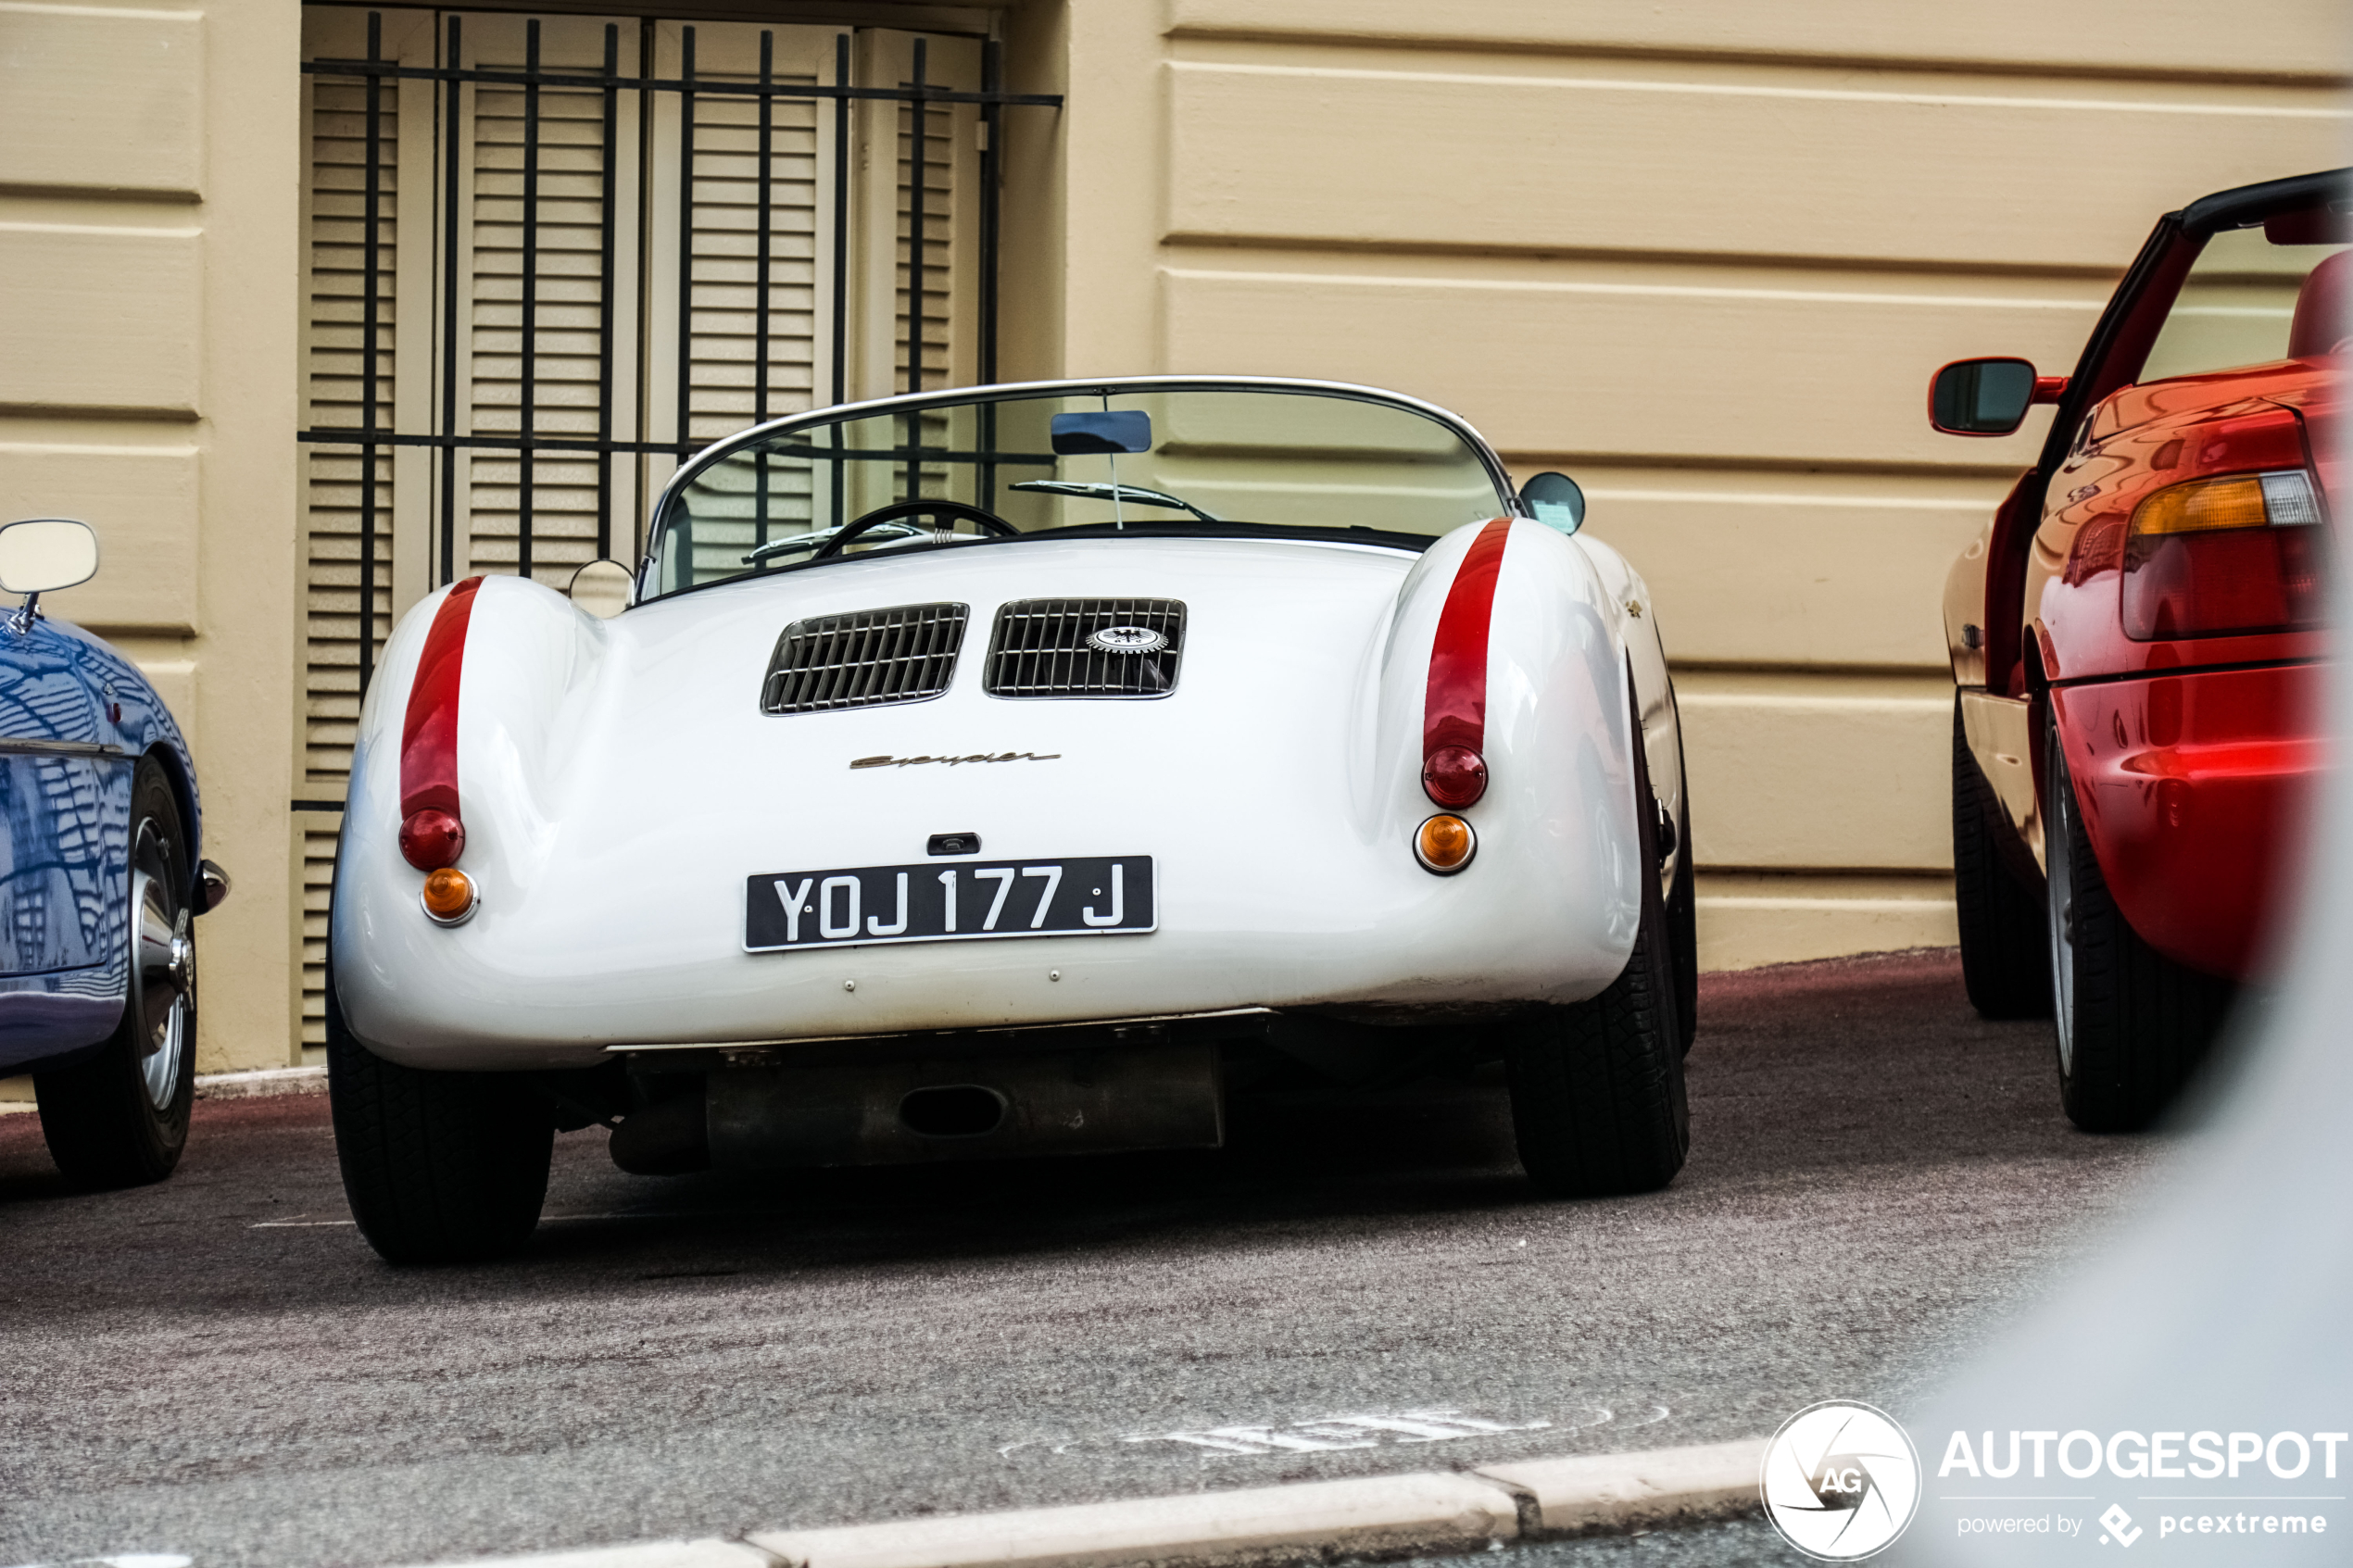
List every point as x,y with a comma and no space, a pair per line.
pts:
965,1107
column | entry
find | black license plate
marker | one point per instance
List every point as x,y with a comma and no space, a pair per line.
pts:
1089,896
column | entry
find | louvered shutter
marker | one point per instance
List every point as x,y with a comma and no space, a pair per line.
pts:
609,315
335,491
745,358
945,328
568,380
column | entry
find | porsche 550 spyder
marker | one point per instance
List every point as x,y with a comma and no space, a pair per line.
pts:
2137,637
1007,772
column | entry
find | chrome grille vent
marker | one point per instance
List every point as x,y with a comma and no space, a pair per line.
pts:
1041,648
904,654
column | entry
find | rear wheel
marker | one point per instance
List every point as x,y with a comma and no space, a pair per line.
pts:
1682,928
119,1118
2133,1024
438,1167
1598,1105
2006,951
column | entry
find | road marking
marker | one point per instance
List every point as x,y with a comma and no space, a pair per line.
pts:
1333,1432
122,1559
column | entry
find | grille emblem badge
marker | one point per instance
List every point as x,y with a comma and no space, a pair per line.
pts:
1128,639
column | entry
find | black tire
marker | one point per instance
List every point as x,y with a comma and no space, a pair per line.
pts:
1682,927
2132,1025
438,1167
2006,938
119,1118
1598,1106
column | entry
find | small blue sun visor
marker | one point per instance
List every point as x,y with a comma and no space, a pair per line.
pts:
1109,429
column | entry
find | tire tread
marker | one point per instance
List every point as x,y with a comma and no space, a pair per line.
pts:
1598,1102
95,1116
2006,951
438,1167
2143,1021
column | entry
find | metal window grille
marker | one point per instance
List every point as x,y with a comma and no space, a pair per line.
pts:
904,654
1086,648
550,256
544,160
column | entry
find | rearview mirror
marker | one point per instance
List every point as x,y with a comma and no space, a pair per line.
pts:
602,588
41,555
1107,429
1980,396
1554,500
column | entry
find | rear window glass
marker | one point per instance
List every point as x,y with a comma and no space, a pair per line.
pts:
2238,307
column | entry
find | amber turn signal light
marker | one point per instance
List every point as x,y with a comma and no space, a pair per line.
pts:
432,838
1444,843
1454,775
449,897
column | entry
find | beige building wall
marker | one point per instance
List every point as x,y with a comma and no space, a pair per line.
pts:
1702,257
148,205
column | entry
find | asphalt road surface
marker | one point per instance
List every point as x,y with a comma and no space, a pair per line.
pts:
218,1367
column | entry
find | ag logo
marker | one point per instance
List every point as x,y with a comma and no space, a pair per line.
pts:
1841,1482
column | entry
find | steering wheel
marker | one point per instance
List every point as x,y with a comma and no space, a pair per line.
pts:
917,507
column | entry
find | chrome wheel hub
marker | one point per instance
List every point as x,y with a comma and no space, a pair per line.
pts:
163,970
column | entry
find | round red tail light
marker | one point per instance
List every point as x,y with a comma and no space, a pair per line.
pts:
1454,775
432,838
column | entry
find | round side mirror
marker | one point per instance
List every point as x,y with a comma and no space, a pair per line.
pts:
41,555
1554,500
602,588
1980,396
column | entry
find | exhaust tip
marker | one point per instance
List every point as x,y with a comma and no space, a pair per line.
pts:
952,1111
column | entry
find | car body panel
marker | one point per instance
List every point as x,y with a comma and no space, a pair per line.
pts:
2198,781
2141,440
2000,733
75,718
620,784
2191,755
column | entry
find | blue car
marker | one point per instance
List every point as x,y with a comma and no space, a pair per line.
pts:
100,880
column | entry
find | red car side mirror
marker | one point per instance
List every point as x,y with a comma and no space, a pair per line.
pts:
1988,396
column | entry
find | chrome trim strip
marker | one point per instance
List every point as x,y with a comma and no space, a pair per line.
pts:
29,748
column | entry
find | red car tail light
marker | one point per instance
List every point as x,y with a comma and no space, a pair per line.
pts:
1454,775
431,839
2241,553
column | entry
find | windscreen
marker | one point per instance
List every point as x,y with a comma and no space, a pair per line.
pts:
1181,456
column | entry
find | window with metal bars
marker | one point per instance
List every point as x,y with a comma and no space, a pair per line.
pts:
550,257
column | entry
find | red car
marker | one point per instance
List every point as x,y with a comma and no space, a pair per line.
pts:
2137,638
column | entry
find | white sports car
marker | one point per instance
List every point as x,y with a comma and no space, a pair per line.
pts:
1012,771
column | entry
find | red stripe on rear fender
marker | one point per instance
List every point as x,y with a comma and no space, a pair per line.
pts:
1454,712
429,736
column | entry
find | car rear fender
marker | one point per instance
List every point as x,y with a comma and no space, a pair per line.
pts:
1554,723
527,686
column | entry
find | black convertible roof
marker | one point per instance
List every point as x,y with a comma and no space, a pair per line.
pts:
2249,204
